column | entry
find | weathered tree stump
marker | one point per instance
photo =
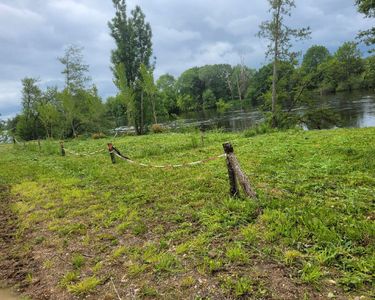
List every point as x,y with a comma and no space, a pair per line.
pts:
235,173
62,149
111,153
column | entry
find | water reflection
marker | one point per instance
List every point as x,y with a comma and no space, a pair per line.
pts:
356,109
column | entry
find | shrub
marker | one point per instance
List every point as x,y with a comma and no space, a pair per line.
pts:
157,128
98,135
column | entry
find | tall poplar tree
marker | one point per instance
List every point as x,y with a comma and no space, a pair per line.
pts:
280,38
132,36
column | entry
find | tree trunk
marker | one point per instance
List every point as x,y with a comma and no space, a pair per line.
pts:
73,129
239,90
275,60
274,93
142,117
154,110
230,88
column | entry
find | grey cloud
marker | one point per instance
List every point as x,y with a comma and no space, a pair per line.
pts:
33,33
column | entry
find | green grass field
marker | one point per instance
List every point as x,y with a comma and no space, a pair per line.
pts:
93,229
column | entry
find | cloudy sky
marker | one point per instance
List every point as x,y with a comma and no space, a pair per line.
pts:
33,33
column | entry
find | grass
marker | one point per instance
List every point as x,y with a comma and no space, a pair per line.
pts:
167,230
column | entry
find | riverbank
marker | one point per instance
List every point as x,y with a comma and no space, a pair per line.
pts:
93,229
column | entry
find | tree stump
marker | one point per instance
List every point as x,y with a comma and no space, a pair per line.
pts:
235,173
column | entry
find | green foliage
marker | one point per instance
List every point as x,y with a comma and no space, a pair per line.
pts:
320,118
311,273
78,261
68,278
313,57
84,286
240,287
367,7
166,85
222,106
74,69
132,35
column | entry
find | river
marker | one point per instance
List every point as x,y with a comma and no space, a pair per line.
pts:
355,109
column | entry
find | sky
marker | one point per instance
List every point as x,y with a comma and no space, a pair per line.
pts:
34,33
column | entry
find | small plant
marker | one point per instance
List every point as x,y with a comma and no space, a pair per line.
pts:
119,252
291,256
135,269
237,255
78,261
139,228
149,291
68,278
194,141
187,282
84,286
98,266
249,234
166,262
311,273
237,287
212,265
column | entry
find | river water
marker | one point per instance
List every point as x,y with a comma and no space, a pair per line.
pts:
355,109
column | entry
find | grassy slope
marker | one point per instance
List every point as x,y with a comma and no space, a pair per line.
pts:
176,233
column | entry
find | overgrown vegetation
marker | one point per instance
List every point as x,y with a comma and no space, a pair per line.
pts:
175,232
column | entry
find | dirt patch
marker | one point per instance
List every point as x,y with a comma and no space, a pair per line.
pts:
16,263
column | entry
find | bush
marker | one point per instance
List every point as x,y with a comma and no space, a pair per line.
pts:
98,135
261,128
157,128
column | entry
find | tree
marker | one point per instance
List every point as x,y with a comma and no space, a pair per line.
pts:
209,99
367,7
369,74
313,57
75,70
279,36
189,83
241,76
214,78
149,89
166,85
48,110
28,127
260,84
133,48
76,97
116,110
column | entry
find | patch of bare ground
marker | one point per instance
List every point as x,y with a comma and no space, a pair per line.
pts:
18,266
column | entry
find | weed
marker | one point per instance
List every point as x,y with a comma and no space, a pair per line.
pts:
237,254
78,261
84,286
187,282
119,252
240,287
166,263
68,278
291,256
311,273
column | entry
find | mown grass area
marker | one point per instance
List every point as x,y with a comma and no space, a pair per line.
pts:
166,233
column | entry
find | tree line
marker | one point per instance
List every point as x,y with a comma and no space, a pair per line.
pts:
277,88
